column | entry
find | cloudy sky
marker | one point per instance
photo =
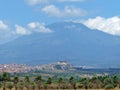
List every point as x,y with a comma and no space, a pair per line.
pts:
22,17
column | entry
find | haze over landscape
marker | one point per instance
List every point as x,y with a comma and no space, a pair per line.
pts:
82,32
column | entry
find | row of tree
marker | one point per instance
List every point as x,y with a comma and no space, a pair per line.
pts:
101,82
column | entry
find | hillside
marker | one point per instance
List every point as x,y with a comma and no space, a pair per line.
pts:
72,41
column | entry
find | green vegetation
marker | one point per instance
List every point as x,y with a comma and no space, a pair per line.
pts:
38,83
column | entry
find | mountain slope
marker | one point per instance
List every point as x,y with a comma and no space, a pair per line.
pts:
71,41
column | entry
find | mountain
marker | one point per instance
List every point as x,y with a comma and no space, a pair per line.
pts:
69,41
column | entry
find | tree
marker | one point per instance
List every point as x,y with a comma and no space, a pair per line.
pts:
5,77
27,82
16,80
72,82
9,85
0,77
33,86
60,81
45,86
84,83
49,81
38,81
1,85
95,83
109,86
21,85
107,81
116,81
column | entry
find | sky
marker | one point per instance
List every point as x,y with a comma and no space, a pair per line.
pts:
23,17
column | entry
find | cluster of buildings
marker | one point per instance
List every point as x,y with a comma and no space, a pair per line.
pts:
14,68
17,68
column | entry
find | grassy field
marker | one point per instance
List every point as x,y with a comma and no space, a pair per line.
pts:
59,83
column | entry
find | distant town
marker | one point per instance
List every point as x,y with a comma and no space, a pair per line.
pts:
17,68
59,66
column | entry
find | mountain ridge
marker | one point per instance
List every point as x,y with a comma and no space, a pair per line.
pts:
72,41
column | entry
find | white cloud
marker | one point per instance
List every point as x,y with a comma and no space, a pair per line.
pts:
71,0
3,26
108,25
35,2
7,33
21,30
38,27
68,11
52,10
30,28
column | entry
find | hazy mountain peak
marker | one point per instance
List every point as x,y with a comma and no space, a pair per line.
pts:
72,41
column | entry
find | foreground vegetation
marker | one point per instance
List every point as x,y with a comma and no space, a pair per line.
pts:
8,82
